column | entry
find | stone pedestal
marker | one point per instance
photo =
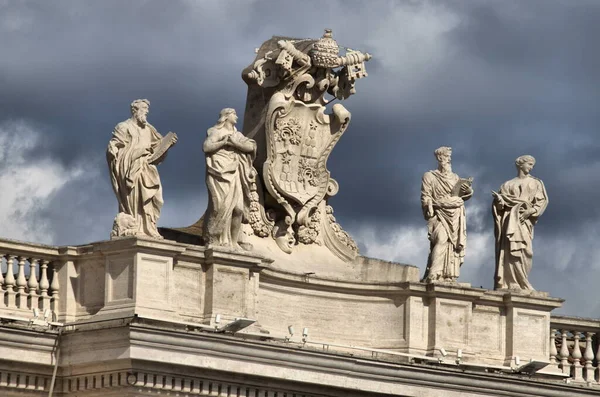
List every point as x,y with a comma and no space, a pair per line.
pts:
451,317
528,325
232,282
138,278
163,280
489,327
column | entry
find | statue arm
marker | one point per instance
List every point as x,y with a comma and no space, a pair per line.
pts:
468,192
540,200
427,194
242,143
212,144
116,143
503,199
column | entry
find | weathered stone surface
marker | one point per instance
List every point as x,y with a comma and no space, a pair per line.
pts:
443,195
285,114
516,209
132,155
289,83
230,179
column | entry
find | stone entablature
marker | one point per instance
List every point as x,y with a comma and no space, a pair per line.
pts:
134,356
137,299
385,308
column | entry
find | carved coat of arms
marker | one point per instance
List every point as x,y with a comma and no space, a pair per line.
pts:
287,116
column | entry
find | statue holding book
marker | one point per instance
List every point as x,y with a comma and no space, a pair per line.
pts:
443,194
133,153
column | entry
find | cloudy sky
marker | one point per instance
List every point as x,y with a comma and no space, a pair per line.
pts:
492,79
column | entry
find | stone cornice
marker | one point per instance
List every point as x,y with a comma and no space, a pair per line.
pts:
157,358
232,354
234,258
309,281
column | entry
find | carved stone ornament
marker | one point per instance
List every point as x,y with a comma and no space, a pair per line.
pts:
289,84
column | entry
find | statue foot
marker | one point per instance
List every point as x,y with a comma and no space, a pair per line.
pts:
245,246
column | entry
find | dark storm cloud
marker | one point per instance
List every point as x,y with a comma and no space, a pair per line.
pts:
494,80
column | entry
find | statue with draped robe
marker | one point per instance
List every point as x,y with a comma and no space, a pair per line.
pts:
443,194
229,175
132,155
516,209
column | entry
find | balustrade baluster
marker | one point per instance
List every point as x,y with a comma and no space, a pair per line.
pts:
2,286
32,284
598,359
44,285
576,355
588,356
44,282
553,351
1,275
564,353
9,281
54,287
21,284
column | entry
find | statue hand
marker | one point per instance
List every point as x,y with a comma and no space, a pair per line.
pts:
174,139
465,189
523,216
142,151
430,211
500,203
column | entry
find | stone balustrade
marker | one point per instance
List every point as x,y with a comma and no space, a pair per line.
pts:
574,347
28,279
184,283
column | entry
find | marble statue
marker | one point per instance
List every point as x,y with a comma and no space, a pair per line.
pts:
289,85
133,153
516,208
291,82
443,195
229,178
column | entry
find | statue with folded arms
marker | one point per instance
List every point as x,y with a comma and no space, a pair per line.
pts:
516,209
133,153
443,196
229,175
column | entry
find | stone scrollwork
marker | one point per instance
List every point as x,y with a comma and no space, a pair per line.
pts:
289,85
259,220
338,238
309,233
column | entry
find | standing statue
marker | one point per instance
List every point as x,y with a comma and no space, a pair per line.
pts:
294,119
133,153
443,195
229,178
516,209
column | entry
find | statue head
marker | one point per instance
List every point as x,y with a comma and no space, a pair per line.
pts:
227,115
139,110
525,162
444,157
